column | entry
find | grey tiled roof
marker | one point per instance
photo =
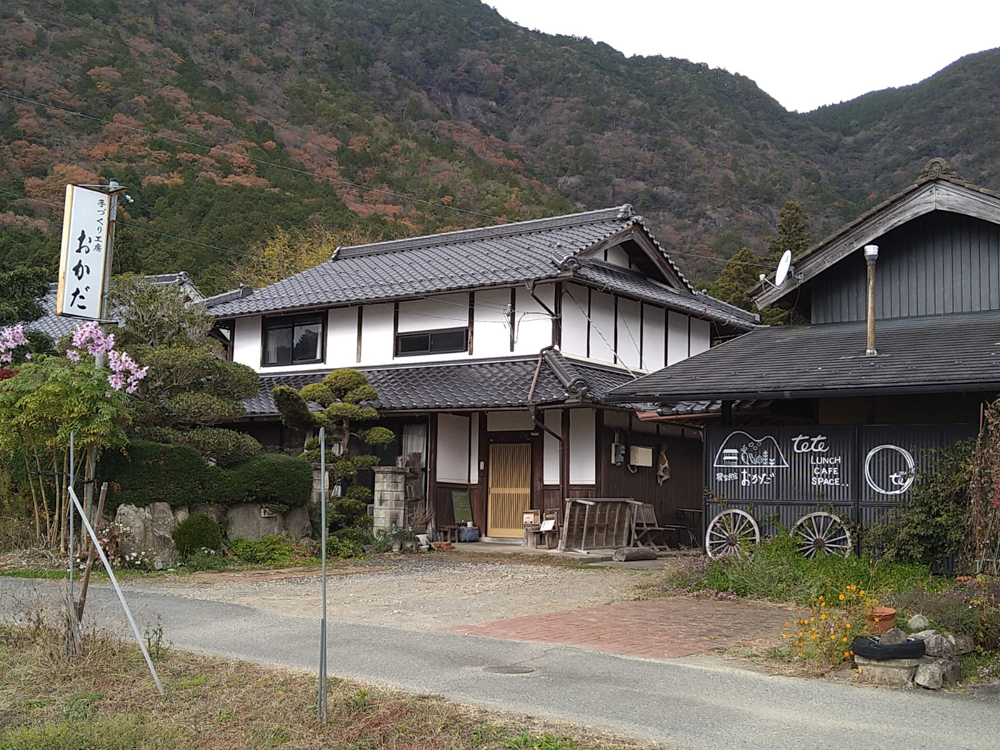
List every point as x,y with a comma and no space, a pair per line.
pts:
925,354
467,385
473,258
633,284
57,326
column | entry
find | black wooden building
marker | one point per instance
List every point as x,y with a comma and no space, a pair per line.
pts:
881,415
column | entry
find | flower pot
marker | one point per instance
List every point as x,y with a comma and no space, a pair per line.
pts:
880,619
397,546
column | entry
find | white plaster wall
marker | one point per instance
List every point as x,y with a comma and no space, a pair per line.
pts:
377,341
342,337
629,332
582,447
553,420
677,337
491,335
653,337
701,336
453,449
602,321
508,421
247,342
532,324
574,320
474,448
444,311
617,256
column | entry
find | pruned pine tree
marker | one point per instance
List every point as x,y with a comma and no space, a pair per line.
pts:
345,398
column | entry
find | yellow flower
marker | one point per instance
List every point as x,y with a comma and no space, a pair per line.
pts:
844,639
786,624
848,625
862,592
841,597
800,653
822,617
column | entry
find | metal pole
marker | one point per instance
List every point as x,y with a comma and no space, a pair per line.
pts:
871,255
321,698
72,530
118,590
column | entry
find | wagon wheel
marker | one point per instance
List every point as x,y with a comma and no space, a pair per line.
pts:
822,533
729,532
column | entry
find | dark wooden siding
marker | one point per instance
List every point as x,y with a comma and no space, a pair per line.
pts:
682,491
937,264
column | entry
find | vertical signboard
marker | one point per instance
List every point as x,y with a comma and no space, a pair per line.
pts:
84,253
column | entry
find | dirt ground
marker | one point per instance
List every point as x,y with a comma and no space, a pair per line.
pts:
417,591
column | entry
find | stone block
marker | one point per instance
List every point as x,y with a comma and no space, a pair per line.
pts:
918,622
924,634
150,532
963,643
892,637
897,672
297,524
244,520
181,514
952,672
938,645
930,676
216,512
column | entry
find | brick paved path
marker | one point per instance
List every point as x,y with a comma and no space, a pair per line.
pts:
658,629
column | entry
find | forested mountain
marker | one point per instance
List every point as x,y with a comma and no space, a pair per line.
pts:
227,121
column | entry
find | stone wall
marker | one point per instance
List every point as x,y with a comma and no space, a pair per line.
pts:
151,527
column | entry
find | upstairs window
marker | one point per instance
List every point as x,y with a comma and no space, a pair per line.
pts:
432,342
293,340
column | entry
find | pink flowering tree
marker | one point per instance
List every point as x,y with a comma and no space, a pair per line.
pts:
49,397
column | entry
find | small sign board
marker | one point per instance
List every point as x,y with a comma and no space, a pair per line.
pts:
549,524
531,517
84,253
462,506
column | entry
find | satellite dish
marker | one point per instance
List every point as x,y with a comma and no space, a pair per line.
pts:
783,265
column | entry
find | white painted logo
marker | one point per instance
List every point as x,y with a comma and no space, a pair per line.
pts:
889,469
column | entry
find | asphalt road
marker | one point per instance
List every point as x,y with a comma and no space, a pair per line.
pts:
697,703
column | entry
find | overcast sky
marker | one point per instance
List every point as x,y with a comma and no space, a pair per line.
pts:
803,53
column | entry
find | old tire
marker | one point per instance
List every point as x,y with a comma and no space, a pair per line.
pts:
870,648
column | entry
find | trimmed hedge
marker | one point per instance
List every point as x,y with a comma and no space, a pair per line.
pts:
179,476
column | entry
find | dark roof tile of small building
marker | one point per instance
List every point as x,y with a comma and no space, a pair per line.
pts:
922,354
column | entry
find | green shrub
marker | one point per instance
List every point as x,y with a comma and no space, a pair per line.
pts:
197,532
969,606
179,476
206,560
777,572
224,447
274,549
270,478
933,526
155,473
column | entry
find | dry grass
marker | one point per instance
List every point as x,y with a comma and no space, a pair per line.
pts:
106,700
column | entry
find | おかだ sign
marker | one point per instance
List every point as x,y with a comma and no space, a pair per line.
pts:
84,252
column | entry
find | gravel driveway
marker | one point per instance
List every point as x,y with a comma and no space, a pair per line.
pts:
415,591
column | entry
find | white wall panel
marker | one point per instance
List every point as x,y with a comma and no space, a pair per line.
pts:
677,337
653,337
474,448
553,420
342,337
532,324
582,447
445,311
509,421
574,320
602,326
453,449
701,336
376,335
247,342
618,256
629,332
491,335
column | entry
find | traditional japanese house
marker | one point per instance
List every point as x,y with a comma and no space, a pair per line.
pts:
492,350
